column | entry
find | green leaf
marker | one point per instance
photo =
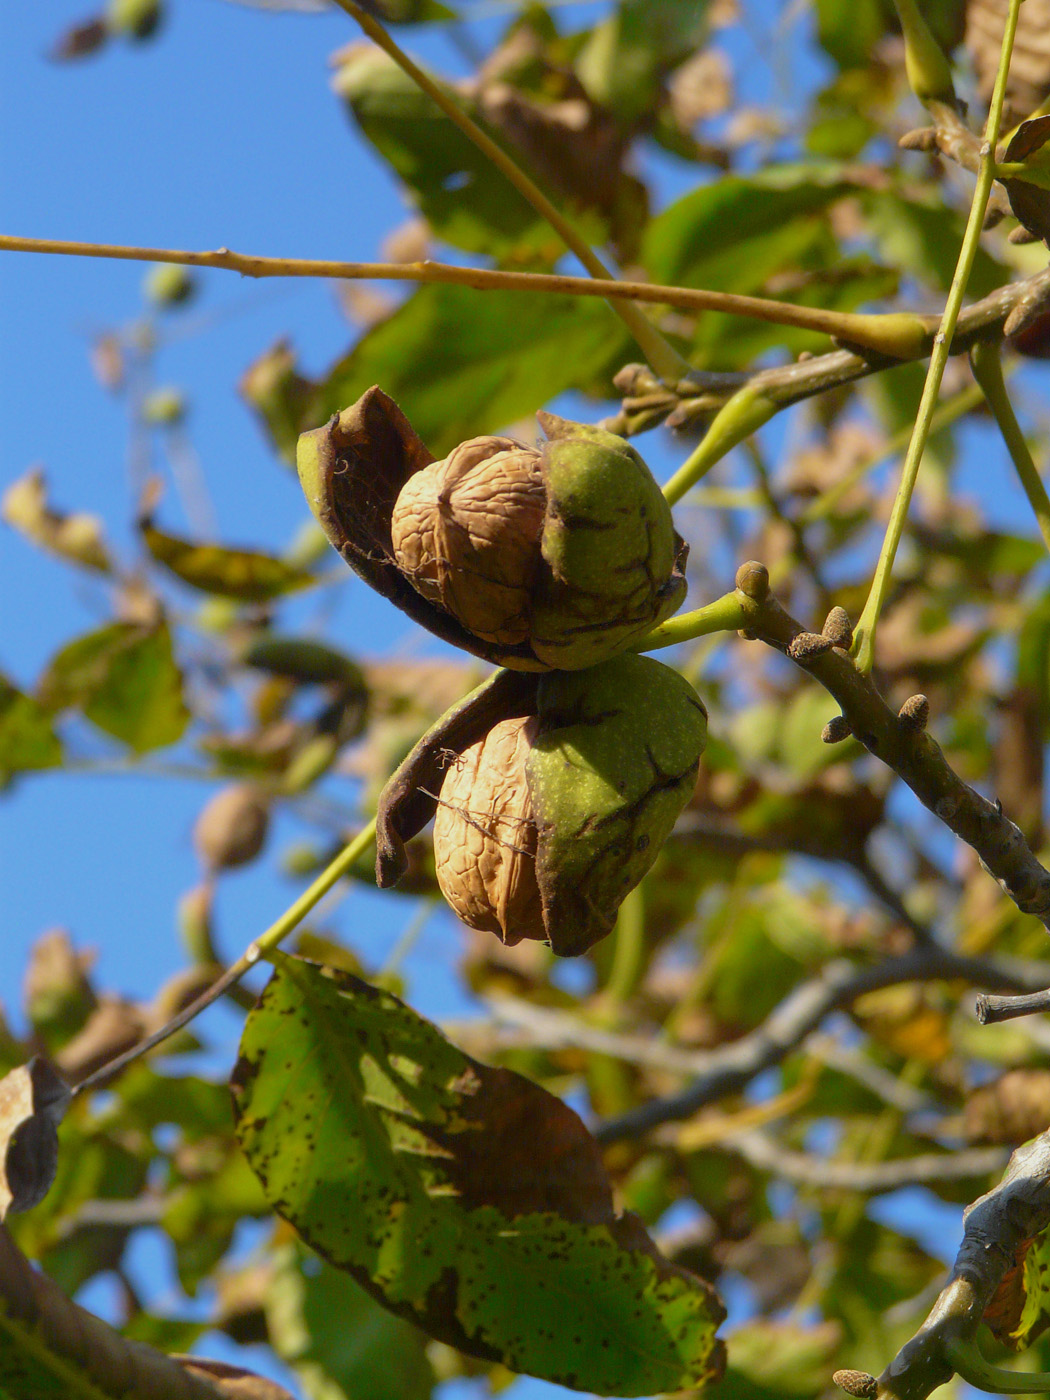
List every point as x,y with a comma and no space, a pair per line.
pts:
779,1360
420,1172
627,56
125,680
1020,1309
338,1339
27,739
464,198
850,29
737,231
460,363
923,238
244,574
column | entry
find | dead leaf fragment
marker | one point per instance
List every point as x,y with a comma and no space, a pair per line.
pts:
33,1099
76,537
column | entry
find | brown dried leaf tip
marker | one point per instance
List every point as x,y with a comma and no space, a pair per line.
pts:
858,1383
538,558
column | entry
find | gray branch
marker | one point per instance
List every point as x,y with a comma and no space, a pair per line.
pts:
763,1151
730,1068
904,746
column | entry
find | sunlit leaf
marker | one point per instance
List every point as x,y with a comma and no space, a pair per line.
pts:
340,1342
27,739
33,1098
125,679
462,195
459,363
76,538
421,1172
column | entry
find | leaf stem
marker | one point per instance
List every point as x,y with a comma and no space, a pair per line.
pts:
725,614
265,943
737,419
629,952
970,1365
987,367
864,643
662,356
863,331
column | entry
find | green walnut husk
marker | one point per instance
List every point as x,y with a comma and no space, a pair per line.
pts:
556,794
549,558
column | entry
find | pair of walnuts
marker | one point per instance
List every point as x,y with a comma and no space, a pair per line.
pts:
555,783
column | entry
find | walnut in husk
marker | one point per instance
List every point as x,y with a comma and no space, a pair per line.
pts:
557,794
555,557
485,836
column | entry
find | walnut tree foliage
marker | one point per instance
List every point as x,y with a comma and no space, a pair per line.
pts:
779,1033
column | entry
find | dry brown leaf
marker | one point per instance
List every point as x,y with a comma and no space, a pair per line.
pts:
33,1099
1029,80
1012,1109
76,537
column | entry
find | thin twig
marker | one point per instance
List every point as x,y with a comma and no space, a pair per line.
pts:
856,329
864,637
257,949
700,397
869,1178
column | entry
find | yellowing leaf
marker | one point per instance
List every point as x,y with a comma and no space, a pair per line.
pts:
244,574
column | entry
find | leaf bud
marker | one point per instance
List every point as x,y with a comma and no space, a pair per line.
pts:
836,730
838,629
915,712
806,646
752,579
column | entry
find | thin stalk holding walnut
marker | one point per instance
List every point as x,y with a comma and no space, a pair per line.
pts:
725,614
258,948
987,367
864,643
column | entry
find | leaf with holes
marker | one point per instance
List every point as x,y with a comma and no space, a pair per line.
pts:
464,1198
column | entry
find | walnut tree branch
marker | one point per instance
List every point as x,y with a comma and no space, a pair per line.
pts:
994,1226
697,399
730,1068
901,742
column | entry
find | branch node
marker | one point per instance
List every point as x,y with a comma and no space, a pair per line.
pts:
836,730
915,713
858,1383
838,629
807,646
